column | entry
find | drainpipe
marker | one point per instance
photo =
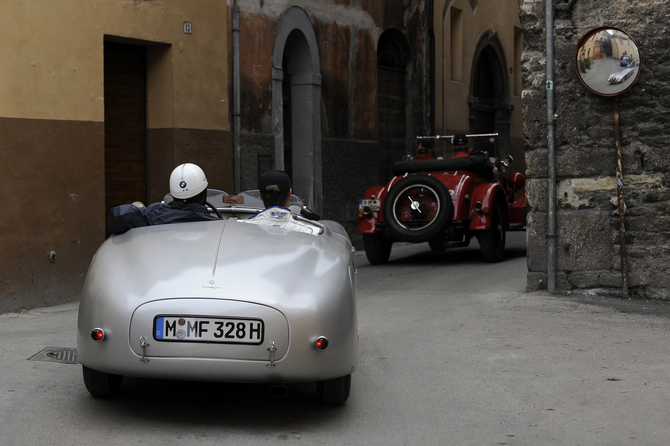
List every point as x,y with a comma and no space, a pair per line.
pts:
551,153
236,98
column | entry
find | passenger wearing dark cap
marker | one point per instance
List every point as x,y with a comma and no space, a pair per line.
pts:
275,190
480,160
461,145
424,150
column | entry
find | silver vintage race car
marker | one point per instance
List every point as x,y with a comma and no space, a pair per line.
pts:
620,76
222,301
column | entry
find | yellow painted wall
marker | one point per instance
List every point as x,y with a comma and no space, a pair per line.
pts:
501,16
52,130
52,59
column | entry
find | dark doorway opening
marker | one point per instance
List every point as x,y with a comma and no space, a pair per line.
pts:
297,107
125,124
296,96
483,90
392,57
489,93
288,119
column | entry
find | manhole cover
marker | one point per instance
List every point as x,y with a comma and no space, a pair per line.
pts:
56,354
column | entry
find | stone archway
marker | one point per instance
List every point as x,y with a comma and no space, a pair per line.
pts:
296,85
489,97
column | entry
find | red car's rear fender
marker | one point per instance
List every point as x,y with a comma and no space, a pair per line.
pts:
367,222
517,210
484,198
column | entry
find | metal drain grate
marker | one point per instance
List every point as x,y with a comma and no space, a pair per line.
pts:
56,354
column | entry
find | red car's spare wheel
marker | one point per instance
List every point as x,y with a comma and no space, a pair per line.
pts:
417,208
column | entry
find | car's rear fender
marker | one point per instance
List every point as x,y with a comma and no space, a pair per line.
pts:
367,223
481,206
517,211
460,185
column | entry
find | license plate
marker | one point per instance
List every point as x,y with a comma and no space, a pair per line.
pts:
222,330
373,205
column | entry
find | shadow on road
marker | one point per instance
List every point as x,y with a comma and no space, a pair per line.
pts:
189,404
405,254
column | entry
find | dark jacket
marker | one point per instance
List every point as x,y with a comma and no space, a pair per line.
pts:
127,216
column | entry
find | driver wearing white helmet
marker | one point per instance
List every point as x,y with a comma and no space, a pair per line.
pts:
188,187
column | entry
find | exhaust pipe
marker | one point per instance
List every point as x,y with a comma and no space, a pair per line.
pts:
279,391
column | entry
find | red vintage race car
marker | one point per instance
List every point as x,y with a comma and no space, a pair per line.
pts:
445,202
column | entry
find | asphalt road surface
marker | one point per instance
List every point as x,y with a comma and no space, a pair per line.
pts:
452,352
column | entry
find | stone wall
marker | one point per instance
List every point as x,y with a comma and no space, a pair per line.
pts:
588,242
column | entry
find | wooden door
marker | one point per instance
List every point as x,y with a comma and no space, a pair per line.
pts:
125,125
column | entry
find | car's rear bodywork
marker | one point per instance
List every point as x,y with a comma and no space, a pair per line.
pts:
221,301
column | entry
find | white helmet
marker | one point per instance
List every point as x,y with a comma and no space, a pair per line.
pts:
186,181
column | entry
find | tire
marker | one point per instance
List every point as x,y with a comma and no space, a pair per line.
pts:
334,391
492,240
418,208
438,244
377,248
101,384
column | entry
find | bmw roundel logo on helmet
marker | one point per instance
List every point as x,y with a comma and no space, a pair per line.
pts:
182,184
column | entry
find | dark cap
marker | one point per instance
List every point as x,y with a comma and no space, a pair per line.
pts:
425,142
459,140
277,178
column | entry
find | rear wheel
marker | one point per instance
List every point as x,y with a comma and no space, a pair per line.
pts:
418,208
334,391
492,240
101,384
377,248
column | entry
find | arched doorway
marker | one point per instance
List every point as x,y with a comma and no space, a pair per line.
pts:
297,86
393,55
489,104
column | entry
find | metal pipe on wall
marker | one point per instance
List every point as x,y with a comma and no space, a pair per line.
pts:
621,205
551,153
236,99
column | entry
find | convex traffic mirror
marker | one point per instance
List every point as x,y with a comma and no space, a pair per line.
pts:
607,61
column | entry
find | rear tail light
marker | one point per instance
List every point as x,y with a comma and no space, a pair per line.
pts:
97,334
481,209
365,211
321,343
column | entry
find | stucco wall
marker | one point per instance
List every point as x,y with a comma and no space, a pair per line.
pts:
588,243
53,63
52,109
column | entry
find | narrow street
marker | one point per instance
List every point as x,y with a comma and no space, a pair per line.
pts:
452,352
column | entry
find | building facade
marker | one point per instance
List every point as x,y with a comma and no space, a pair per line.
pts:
477,66
98,102
333,92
